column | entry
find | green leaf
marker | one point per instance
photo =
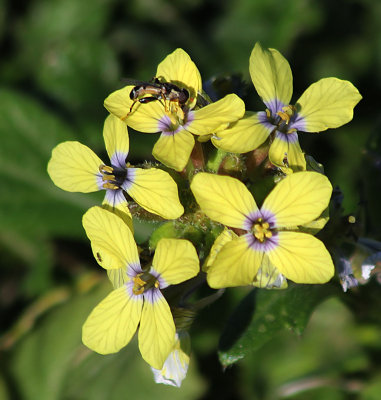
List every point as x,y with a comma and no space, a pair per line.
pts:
31,207
31,201
372,389
252,16
262,314
82,75
45,353
4,395
62,46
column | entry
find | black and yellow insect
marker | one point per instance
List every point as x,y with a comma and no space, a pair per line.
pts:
146,92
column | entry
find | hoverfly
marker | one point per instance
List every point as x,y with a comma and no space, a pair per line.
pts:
145,92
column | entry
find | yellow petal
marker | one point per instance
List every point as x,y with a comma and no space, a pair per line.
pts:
225,236
269,277
242,136
142,117
210,118
327,103
111,240
155,191
117,277
235,265
116,140
302,258
115,202
113,322
157,329
119,102
271,76
178,68
175,260
147,117
223,199
285,152
74,167
174,150
299,198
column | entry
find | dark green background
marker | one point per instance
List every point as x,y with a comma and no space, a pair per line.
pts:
59,59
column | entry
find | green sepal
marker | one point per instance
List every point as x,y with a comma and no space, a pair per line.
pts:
313,165
175,230
202,235
215,159
316,225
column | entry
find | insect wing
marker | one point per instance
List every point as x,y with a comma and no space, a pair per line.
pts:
136,82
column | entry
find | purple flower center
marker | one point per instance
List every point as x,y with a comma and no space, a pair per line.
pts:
175,120
283,119
112,177
262,233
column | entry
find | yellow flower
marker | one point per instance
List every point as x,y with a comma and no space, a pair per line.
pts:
76,168
267,239
139,300
177,123
327,103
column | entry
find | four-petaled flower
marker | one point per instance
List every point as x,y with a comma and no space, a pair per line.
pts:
177,123
114,321
267,238
327,103
76,168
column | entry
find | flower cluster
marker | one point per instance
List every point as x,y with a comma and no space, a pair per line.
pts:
249,245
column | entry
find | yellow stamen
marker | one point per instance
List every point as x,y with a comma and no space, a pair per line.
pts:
143,282
105,169
176,114
108,177
286,113
138,285
111,177
109,185
261,230
285,117
179,112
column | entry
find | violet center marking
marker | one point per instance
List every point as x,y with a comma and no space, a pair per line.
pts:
170,126
130,179
118,159
275,105
262,234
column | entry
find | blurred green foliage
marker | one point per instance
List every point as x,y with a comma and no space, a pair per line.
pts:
59,60
262,314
